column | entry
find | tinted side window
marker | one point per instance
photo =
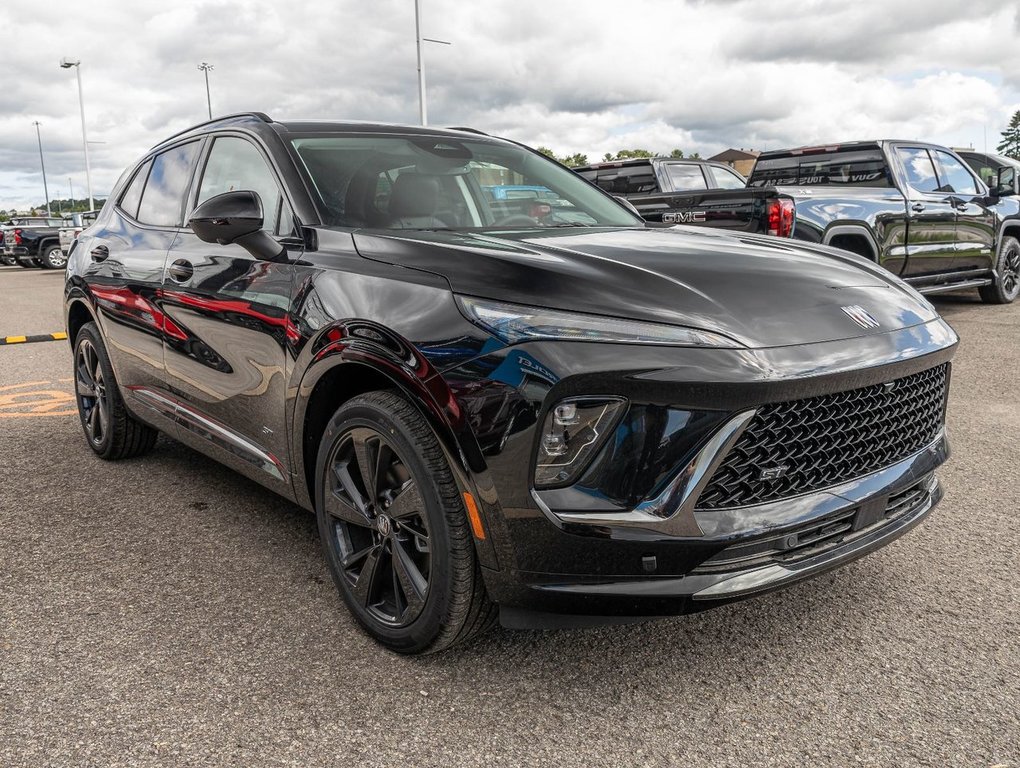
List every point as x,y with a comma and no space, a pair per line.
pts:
628,180
133,194
235,165
918,168
727,179
685,176
955,178
163,198
983,168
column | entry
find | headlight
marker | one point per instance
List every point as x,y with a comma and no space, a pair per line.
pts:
515,323
574,430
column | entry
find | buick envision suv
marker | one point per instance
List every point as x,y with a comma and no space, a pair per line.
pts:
532,407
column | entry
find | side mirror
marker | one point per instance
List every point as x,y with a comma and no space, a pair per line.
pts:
235,217
1006,183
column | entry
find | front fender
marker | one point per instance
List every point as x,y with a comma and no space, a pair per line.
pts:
361,346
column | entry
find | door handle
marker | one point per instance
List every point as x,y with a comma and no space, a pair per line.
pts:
181,270
100,253
917,207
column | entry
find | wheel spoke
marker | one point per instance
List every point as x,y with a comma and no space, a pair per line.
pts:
364,587
91,420
412,583
342,470
86,384
367,449
421,535
406,503
342,509
356,557
101,420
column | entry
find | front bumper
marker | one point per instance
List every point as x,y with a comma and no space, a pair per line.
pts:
786,543
605,549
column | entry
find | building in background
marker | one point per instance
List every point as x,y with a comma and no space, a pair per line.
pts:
740,160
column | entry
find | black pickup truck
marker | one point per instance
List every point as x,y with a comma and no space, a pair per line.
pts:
698,192
915,208
34,241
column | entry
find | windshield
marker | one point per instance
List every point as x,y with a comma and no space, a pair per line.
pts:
436,182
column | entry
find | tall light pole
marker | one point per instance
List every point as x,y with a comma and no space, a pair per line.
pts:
46,190
70,191
208,99
67,64
422,108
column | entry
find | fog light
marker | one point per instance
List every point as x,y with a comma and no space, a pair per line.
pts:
573,431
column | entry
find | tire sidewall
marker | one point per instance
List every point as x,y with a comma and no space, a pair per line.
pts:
90,333
1008,244
424,629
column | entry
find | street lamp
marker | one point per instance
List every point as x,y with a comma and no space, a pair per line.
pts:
208,99
67,64
422,109
46,190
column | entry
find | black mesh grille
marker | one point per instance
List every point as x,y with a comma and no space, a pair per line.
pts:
827,440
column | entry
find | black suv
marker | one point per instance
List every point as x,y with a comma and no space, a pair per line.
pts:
535,404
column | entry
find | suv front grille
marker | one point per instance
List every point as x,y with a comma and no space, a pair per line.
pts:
823,441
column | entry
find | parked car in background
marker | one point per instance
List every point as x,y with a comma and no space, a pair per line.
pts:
72,226
698,192
33,241
491,409
915,208
988,166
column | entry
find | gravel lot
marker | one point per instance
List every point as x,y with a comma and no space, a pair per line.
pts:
165,611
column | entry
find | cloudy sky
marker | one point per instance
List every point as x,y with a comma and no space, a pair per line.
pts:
575,75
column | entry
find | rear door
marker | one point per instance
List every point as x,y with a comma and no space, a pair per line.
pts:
931,214
975,219
126,255
229,369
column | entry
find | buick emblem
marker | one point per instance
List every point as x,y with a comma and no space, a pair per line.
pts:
861,316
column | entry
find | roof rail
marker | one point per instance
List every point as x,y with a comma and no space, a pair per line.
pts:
466,130
257,115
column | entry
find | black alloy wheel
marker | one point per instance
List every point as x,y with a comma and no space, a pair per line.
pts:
1007,287
394,528
110,430
93,397
380,529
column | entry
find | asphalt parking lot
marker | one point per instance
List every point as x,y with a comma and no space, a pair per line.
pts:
165,611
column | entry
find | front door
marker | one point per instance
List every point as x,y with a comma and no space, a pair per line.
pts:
931,215
230,371
975,219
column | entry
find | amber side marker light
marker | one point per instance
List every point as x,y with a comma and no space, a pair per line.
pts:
474,517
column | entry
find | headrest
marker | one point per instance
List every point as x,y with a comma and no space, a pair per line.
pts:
414,194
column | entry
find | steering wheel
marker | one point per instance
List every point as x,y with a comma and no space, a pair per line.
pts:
517,218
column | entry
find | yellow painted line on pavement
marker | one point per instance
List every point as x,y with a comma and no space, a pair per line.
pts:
58,336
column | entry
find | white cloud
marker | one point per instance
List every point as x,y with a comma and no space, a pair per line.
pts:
576,76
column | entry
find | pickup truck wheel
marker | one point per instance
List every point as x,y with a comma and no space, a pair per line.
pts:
1007,287
53,258
110,430
394,529
27,263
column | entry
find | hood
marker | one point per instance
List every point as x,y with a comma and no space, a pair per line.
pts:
760,291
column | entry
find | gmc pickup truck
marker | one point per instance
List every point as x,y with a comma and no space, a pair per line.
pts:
698,192
34,241
915,208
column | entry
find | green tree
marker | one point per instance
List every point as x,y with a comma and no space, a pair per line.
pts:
677,154
575,160
627,154
608,156
694,156
1010,144
547,152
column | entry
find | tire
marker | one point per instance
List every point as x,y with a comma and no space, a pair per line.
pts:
410,514
110,430
53,258
1007,267
27,264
